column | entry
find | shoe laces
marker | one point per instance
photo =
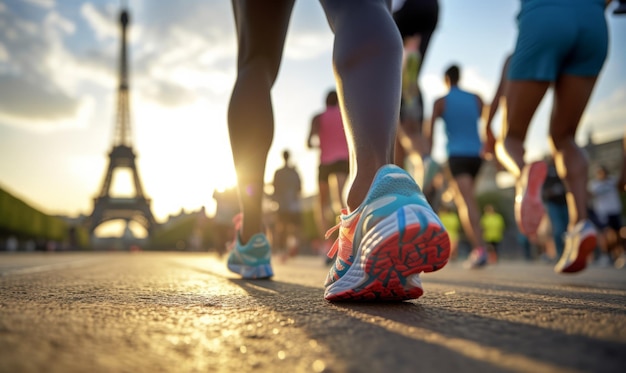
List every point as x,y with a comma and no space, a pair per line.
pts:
335,247
342,250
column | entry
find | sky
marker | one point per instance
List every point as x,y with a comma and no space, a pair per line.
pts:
58,91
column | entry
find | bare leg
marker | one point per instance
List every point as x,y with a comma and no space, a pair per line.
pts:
261,30
323,207
469,215
571,94
366,41
341,184
522,99
280,237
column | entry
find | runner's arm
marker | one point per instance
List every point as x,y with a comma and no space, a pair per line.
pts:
487,133
314,132
427,130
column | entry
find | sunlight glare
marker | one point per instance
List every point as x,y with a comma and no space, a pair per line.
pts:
122,184
117,228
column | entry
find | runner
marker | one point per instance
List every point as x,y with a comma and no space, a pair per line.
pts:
561,44
493,226
389,233
416,21
460,111
334,166
607,209
287,194
554,197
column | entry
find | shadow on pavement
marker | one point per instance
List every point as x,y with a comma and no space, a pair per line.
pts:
447,334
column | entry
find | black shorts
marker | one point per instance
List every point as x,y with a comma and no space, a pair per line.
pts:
418,17
613,221
337,167
464,165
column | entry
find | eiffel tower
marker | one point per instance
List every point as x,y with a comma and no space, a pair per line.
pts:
137,207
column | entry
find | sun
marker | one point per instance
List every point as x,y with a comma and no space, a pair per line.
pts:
222,175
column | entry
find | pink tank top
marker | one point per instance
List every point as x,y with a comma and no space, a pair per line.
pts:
333,144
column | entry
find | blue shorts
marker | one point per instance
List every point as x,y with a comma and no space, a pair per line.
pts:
559,37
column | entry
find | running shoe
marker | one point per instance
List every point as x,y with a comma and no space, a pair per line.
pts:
252,260
528,204
578,245
477,258
384,244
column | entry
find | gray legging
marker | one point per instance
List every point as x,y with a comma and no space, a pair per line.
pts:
367,59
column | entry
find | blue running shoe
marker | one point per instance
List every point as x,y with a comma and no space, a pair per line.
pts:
251,261
384,244
478,258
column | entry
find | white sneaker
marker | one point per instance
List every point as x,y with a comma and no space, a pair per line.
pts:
578,245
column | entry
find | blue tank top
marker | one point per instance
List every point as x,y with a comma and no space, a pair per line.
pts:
461,114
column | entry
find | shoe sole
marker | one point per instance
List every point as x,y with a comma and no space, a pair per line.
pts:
389,258
475,265
530,210
586,247
247,272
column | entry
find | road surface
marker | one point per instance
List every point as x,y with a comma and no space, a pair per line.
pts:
184,312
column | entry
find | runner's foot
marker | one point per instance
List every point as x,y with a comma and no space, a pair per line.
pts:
384,244
529,208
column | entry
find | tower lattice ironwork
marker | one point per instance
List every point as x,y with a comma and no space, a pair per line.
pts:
136,207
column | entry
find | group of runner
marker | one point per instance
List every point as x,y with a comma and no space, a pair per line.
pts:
388,233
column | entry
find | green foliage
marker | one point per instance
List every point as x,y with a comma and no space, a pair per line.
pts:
167,238
309,226
82,237
18,218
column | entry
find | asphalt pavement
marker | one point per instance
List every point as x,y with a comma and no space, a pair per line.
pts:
184,312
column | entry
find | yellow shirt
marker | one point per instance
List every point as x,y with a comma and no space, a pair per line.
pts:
451,222
493,227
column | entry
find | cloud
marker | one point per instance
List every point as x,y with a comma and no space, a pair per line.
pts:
306,45
168,94
104,23
31,118
42,3
177,55
28,89
55,20
184,52
473,81
26,98
309,34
